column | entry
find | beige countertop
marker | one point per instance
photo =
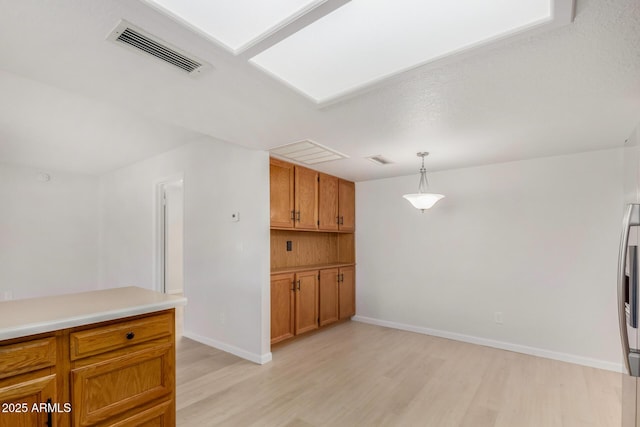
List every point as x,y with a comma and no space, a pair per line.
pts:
37,315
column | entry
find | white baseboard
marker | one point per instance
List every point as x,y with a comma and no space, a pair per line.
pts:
260,359
533,351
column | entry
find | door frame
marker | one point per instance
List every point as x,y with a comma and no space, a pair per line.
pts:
160,229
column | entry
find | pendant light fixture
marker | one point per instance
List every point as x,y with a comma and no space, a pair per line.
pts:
423,200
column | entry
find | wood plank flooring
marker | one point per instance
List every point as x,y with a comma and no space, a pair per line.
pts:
356,374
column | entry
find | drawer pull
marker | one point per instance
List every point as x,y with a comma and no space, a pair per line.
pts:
49,413
130,335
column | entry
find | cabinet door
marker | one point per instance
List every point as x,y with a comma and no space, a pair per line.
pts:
347,205
306,301
282,307
306,199
113,386
347,296
328,296
328,202
18,400
281,193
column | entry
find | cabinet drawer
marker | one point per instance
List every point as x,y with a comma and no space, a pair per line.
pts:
159,415
113,387
119,335
27,356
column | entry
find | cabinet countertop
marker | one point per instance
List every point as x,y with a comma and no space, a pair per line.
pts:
32,316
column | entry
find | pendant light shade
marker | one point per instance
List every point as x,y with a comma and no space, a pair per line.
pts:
423,200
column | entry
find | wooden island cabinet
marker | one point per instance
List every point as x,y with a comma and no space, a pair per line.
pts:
81,361
312,250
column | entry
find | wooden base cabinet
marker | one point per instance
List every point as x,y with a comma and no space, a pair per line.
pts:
120,370
306,300
282,307
294,304
328,296
115,373
19,397
347,293
28,377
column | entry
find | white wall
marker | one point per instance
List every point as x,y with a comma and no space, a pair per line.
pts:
226,264
48,233
536,240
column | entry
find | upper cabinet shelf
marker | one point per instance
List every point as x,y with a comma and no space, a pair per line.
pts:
305,199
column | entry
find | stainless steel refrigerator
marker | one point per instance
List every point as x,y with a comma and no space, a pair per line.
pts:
628,284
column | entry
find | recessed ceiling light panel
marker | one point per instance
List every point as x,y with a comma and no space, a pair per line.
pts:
236,24
365,41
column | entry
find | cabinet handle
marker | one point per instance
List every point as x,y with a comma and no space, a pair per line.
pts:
341,220
130,335
338,220
293,215
342,277
49,413
298,216
298,285
293,286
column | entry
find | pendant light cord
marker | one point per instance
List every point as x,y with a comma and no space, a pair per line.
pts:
424,184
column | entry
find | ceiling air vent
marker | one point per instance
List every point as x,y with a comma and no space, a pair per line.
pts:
379,160
307,152
130,36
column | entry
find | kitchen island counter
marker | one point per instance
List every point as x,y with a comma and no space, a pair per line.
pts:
20,318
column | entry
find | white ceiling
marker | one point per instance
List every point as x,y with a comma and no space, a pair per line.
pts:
71,100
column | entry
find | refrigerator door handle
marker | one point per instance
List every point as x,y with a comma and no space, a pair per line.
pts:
633,286
631,218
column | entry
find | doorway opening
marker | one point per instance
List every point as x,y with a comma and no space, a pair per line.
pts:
171,241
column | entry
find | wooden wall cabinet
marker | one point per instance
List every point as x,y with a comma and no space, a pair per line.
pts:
336,204
281,176
293,196
347,205
328,214
306,199
116,373
312,250
294,304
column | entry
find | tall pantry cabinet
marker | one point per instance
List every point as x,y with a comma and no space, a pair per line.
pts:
312,250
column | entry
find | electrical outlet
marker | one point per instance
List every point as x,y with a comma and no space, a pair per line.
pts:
497,317
235,216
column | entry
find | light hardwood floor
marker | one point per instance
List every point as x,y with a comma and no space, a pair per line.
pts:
356,374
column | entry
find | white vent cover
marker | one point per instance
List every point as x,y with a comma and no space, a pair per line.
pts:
126,34
307,152
379,160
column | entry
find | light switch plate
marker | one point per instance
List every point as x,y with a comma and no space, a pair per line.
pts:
235,216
